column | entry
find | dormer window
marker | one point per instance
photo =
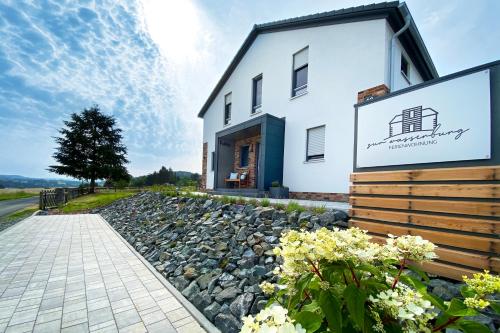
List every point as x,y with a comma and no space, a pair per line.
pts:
256,94
405,68
300,72
227,109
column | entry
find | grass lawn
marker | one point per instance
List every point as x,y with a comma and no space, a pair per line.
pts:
20,214
95,200
11,194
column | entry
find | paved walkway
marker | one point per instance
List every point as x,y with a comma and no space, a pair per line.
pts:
73,273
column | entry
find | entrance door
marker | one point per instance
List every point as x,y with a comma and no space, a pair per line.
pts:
257,164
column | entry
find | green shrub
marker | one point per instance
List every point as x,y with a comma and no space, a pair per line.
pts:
253,202
265,202
341,281
294,207
233,200
279,206
275,184
319,209
225,199
241,201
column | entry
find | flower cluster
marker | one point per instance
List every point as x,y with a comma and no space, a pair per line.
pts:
482,284
267,287
273,319
301,250
406,305
409,247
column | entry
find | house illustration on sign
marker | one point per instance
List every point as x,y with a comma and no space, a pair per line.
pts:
412,120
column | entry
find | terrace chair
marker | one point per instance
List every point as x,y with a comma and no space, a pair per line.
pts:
234,178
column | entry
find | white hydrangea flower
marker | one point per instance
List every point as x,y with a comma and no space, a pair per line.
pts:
273,319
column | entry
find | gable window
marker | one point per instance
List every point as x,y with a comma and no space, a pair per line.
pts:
256,94
315,143
405,67
213,161
227,109
244,153
300,71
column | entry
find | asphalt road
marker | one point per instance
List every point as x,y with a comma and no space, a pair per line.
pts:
10,206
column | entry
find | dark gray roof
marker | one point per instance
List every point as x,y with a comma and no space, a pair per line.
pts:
393,11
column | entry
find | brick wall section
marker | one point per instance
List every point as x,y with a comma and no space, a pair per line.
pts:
320,196
204,160
377,91
252,158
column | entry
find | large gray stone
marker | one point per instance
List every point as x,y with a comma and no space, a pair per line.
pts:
227,294
191,291
241,305
202,300
211,311
227,323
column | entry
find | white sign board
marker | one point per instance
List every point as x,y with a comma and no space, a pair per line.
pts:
447,121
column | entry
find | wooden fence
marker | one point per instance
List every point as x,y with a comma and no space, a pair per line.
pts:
456,208
59,196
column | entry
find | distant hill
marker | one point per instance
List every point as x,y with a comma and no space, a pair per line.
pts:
16,181
184,174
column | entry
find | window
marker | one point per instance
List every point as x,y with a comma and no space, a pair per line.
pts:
256,94
300,70
227,109
412,114
213,161
405,67
244,151
315,143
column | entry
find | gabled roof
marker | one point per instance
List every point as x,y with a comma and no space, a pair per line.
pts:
394,12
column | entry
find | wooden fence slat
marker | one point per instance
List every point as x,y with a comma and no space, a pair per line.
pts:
456,240
479,261
443,206
440,174
442,190
449,271
471,224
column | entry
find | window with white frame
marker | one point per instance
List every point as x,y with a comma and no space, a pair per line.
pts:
315,148
227,109
257,94
300,72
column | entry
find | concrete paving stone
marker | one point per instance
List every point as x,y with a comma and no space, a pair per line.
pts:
162,326
49,315
144,303
20,317
48,327
117,294
153,317
127,318
97,303
78,328
96,293
13,292
79,304
183,321
160,294
73,318
7,312
97,327
169,304
107,329
192,327
20,328
134,328
177,314
29,302
100,316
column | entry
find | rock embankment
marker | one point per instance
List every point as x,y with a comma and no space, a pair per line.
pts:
217,254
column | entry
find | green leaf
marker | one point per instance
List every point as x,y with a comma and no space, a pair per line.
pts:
469,326
458,309
466,291
312,307
310,321
300,286
332,310
355,301
495,305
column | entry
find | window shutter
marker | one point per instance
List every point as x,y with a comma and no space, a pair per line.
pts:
301,58
316,141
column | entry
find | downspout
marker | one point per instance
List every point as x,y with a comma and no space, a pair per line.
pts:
392,50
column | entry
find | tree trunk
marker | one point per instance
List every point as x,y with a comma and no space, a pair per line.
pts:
92,185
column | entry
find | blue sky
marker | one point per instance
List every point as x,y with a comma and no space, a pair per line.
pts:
152,64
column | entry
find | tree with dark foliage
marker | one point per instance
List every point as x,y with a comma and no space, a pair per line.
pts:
90,148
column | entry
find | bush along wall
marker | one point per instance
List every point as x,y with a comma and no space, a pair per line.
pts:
218,254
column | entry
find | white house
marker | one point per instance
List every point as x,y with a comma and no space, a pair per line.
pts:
283,109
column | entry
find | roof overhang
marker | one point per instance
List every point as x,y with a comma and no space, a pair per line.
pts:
393,12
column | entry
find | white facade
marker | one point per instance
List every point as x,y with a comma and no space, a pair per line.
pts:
343,59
